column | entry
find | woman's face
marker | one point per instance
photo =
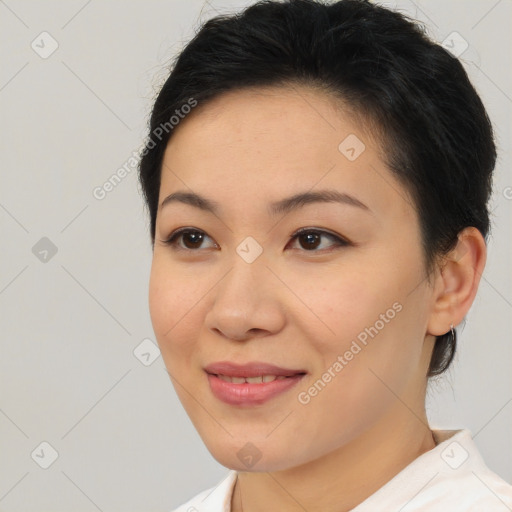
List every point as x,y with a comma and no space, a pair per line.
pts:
344,307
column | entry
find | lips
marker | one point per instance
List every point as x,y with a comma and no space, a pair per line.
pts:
250,384
249,370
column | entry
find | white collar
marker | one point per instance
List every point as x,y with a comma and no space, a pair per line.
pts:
427,481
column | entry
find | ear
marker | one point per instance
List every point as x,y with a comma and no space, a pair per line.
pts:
457,281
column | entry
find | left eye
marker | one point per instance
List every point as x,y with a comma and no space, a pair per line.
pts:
311,239
194,237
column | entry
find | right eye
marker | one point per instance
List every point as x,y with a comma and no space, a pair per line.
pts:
191,238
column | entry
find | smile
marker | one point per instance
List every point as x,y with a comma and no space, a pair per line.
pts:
251,383
251,380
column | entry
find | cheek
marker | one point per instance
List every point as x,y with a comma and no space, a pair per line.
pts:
173,297
364,326
339,303
370,357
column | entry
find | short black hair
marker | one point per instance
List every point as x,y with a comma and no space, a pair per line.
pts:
437,138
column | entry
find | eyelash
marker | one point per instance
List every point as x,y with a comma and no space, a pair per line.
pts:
339,241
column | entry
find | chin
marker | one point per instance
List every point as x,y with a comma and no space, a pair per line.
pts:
250,457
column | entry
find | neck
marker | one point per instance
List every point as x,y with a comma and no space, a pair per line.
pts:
342,479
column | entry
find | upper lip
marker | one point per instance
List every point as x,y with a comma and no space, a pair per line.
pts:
252,369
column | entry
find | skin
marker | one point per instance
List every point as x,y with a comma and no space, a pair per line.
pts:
298,307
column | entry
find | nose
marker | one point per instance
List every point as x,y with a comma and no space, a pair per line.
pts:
247,302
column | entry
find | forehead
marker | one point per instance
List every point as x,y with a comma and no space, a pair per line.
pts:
279,117
269,143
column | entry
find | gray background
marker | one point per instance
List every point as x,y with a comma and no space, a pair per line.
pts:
70,321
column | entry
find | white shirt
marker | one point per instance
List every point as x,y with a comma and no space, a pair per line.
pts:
452,477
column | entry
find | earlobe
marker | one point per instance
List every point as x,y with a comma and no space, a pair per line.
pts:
457,281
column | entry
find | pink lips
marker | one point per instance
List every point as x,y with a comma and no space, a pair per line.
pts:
250,393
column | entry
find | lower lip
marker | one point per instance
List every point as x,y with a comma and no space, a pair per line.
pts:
250,394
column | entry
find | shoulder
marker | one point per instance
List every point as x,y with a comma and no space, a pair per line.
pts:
464,479
452,476
214,499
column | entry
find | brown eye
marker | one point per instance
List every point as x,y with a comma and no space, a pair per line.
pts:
311,239
191,239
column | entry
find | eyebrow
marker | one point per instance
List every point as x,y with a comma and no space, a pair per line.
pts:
279,207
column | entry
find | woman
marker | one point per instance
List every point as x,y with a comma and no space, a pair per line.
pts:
317,179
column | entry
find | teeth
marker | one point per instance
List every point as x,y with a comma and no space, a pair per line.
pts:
254,380
251,380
